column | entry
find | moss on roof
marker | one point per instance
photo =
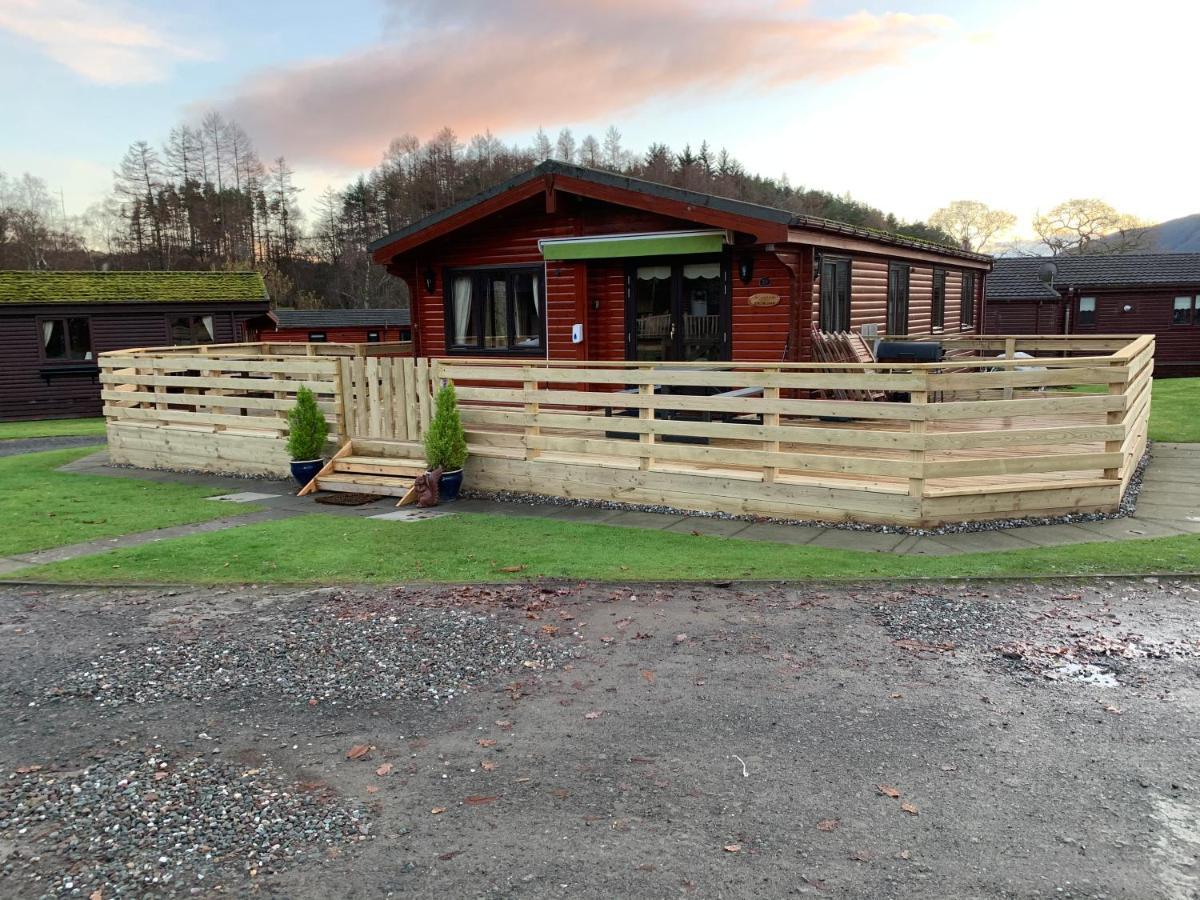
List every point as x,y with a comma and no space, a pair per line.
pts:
131,287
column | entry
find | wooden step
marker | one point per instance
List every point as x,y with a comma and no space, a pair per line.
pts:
365,484
376,465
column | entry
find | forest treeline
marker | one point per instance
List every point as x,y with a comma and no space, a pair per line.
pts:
205,200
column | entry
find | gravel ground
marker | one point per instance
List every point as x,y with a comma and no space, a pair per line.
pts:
1127,508
151,820
351,652
756,740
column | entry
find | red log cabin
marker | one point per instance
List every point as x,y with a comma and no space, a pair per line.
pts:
564,262
1156,293
350,326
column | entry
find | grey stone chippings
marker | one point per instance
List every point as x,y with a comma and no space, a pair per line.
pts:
149,822
350,656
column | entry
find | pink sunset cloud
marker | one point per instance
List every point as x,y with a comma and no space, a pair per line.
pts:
509,66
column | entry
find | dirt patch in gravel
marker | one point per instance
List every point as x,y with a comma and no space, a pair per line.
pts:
753,740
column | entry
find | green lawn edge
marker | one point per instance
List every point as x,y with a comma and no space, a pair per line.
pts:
320,549
44,508
12,431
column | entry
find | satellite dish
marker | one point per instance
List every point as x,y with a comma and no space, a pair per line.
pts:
1046,273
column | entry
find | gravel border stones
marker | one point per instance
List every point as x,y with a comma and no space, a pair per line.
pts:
147,822
352,654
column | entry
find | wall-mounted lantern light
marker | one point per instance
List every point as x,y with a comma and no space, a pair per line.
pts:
430,281
746,269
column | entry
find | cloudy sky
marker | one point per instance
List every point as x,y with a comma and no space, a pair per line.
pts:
905,105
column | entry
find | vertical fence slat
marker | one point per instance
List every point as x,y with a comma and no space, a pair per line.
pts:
423,394
409,400
348,400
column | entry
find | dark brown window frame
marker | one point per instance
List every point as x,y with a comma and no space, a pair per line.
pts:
1080,313
966,301
937,309
1193,312
843,311
477,349
65,360
899,294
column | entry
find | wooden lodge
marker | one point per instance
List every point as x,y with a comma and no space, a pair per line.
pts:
1156,293
338,326
54,325
568,263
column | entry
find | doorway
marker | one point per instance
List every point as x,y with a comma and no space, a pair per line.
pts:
677,310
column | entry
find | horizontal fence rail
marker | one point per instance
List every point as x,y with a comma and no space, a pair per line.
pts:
985,433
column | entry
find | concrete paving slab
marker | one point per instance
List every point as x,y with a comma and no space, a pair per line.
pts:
1056,535
636,519
709,527
1165,512
245,497
588,515
1188,525
1129,529
845,539
411,515
923,545
780,534
985,541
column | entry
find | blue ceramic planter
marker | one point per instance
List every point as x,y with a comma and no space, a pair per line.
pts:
306,470
449,485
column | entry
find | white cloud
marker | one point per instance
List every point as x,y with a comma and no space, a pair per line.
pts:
103,45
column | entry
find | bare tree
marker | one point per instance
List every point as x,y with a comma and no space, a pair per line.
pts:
564,147
973,225
1089,225
590,154
614,153
139,180
542,148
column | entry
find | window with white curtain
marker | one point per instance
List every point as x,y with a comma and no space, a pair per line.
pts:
495,310
67,339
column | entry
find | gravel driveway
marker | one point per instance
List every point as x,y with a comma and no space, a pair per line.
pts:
982,740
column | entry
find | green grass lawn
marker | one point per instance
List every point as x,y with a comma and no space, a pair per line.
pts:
43,508
323,550
1174,408
51,428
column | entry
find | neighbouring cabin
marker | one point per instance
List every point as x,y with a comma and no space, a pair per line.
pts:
345,326
1155,294
568,263
54,325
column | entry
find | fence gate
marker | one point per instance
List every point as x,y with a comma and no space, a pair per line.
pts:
385,398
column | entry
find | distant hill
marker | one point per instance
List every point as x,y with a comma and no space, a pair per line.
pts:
1173,236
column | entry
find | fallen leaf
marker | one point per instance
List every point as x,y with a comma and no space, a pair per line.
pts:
487,742
511,569
594,714
25,770
680,638
732,848
862,855
95,895
312,701
446,857
159,776
479,800
487,765
910,809
503,723
888,791
358,751
648,675
550,630
385,769
829,825
903,854
438,810
561,793
895,696
695,533
372,790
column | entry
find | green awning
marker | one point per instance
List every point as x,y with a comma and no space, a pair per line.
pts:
609,246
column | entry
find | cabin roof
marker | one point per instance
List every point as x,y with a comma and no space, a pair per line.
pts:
702,207
1016,278
131,287
339,318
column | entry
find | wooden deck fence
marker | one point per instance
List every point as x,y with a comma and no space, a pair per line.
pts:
974,437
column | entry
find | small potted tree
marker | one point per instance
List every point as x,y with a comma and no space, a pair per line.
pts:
307,432
446,443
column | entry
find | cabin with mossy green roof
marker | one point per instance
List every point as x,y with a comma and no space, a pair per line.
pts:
54,324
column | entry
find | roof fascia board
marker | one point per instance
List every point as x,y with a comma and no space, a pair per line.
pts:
884,248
